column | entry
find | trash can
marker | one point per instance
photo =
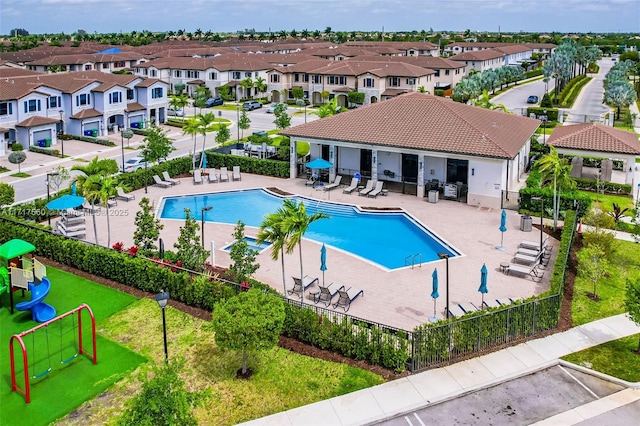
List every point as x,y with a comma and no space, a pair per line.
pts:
525,223
47,142
94,133
433,196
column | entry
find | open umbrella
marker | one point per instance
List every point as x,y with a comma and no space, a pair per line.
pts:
503,228
15,248
434,292
483,282
323,261
66,201
319,163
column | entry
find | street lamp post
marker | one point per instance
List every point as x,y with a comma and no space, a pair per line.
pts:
53,173
544,127
204,209
122,147
62,132
162,298
238,122
541,216
144,156
445,256
305,110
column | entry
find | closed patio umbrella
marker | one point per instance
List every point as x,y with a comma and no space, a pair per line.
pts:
434,292
502,228
323,262
483,283
204,161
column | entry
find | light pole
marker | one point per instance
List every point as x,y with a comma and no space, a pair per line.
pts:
163,298
541,216
544,127
204,209
53,173
144,156
238,122
305,111
122,147
445,256
62,132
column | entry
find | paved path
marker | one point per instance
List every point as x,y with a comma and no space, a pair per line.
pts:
408,394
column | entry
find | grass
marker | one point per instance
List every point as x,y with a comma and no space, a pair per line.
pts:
282,380
616,358
611,289
605,202
3,169
66,386
21,175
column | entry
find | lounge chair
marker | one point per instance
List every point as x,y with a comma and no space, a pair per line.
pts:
123,195
526,270
167,178
468,307
325,294
367,189
197,177
212,177
533,245
224,174
354,184
378,189
335,184
491,303
300,284
346,297
526,259
111,202
456,311
159,182
236,173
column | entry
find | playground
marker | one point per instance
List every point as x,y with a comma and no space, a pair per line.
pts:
60,376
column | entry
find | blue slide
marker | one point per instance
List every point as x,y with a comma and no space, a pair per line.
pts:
40,311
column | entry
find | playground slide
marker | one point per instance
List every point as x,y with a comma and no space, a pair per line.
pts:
40,311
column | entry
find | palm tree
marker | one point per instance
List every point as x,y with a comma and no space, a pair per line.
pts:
260,84
103,189
192,128
178,102
90,189
271,230
295,224
206,124
553,166
247,84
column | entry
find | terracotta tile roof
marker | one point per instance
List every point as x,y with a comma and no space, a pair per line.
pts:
196,81
402,45
87,113
149,82
346,89
357,68
11,72
106,86
134,106
394,92
429,62
426,122
83,58
513,48
37,121
595,137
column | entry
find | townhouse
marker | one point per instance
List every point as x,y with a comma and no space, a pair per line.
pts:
480,60
106,63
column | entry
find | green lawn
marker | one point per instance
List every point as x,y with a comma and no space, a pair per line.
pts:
615,358
605,202
70,381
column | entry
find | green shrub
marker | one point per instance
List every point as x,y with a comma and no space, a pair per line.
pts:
533,73
46,151
249,165
91,139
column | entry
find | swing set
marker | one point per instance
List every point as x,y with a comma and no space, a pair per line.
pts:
47,326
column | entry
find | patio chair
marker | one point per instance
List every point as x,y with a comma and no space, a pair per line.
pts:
456,311
212,177
197,177
123,195
224,174
354,184
378,189
236,173
526,259
367,189
335,183
167,178
111,202
491,303
86,206
533,245
468,307
325,294
530,271
159,182
299,284
346,297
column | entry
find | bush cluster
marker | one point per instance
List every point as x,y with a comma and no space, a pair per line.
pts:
91,139
47,151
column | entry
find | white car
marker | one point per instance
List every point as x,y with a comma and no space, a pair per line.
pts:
271,108
172,112
133,164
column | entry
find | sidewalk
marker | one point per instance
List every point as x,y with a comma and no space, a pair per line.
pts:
430,387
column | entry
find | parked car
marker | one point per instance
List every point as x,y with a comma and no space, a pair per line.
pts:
533,99
133,164
211,102
172,112
251,105
271,108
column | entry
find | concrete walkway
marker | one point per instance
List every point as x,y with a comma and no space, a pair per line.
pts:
404,395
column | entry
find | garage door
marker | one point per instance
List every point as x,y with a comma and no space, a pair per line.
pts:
41,135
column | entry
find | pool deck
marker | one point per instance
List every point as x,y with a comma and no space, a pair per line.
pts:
398,298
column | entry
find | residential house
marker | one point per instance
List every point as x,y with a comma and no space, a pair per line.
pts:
106,63
480,60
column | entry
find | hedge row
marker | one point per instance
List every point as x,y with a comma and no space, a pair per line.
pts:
533,73
562,259
570,92
91,139
249,165
551,113
47,151
606,187
596,162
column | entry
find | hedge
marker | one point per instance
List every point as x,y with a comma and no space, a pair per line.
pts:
91,139
47,151
551,113
596,162
606,187
571,90
249,165
533,73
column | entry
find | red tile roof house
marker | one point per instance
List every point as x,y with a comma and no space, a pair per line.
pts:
417,138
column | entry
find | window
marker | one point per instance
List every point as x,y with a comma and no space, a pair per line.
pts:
411,81
394,81
6,108
82,99
296,77
368,82
235,75
118,64
213,76
105,66
274,78
193,74
437,73
178,73
248,74
115,97
32,105
129,94
87,67
446,72
53,102
154,73
256,74
317,79
156,93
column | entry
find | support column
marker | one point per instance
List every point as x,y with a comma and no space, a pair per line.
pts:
374,164
293,160
332,156
420,189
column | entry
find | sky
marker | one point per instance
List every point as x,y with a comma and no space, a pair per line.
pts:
108,16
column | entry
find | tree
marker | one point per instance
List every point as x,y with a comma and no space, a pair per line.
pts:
223,134
260,84
206,124
243,257
178,102
620,94
147,227
188,246
295,224
127,134
282,121
17,155
250,321
247,85
96,166
7,194
90,189
163,400
202,94
552,166
244,123
271,230
593,265
328,109
105,188
157,144
192,128
632,303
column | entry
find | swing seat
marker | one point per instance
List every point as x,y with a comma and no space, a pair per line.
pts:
40,311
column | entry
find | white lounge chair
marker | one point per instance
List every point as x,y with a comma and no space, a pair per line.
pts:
167,178
123,195
159,182
533,245
335,183
367,189
456,311
224,174
526,270
526,259
236,173
212,177
354,184
197,176
378,189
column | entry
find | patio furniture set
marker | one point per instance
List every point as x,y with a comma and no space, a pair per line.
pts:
325,294
529,260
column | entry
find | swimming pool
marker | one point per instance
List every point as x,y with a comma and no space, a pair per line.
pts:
387,238
252,243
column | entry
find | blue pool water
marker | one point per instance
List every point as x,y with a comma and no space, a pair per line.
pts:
385,238
251,242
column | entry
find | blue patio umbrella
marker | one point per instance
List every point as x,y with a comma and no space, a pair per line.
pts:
434,291
503,228
483,282
73,189
319,163
323,261
204,161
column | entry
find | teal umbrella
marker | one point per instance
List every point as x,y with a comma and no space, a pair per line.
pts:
319,163
502,228
434,291
483,282
204,160
323,261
